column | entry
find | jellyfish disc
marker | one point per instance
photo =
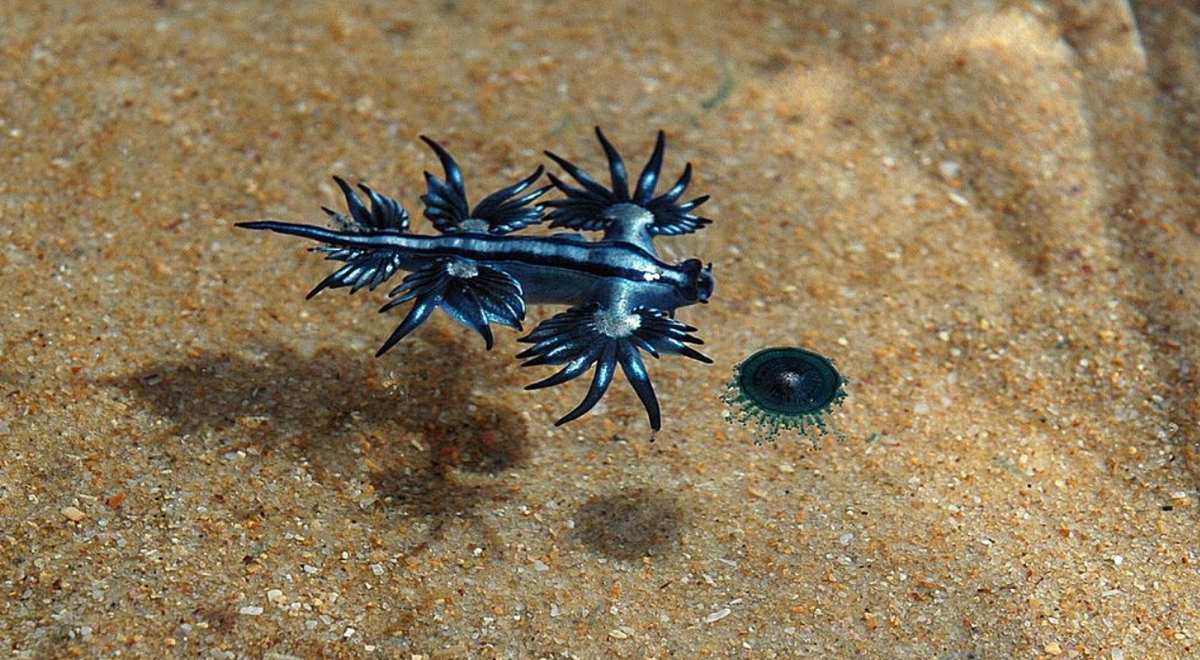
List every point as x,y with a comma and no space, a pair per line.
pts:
786,388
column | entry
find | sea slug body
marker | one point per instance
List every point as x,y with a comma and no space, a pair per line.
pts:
622,297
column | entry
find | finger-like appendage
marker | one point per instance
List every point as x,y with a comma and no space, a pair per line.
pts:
416,316
635,372
616,168
453,172
463,304
605,365
357,210
594,187
574,369
672,195
649,178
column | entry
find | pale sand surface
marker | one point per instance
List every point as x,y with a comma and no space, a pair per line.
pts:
984,211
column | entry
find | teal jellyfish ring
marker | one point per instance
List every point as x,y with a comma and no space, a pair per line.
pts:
786,388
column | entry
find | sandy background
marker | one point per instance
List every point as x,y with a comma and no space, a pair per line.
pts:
985,211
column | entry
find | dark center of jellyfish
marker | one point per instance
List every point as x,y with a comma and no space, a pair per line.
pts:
792,383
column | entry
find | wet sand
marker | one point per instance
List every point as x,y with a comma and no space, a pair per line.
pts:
984,211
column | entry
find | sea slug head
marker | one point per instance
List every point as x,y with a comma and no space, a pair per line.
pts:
704,284
699,286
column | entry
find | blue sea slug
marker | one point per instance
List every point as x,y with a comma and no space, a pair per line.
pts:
622,296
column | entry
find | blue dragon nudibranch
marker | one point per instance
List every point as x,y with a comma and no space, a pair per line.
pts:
623,297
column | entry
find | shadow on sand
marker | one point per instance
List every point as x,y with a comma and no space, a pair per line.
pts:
630,524
410,425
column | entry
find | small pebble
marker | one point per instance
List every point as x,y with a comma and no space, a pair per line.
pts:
251,610
717,616
73,514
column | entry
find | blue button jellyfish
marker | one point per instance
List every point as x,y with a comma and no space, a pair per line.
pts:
786,388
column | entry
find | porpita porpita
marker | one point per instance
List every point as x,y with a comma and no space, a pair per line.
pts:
786,388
